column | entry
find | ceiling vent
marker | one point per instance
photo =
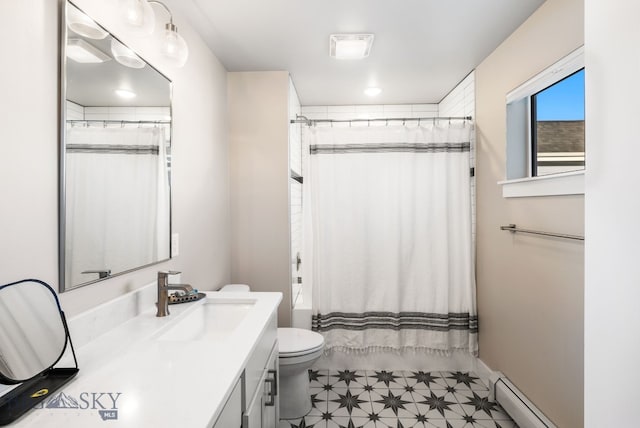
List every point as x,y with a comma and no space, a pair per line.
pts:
85,53
350,46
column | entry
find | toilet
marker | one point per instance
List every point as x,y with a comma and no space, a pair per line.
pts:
298,349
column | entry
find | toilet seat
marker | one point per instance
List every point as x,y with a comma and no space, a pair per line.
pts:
296,342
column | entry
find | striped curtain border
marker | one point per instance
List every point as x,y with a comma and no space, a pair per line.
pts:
395,321
113,149
317,149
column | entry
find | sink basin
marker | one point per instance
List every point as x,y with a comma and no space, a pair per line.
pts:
212,320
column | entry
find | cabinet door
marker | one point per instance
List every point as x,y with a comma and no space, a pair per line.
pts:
270,412
231,415
252,417
263,408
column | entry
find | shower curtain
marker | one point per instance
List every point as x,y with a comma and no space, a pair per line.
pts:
117,199
390,238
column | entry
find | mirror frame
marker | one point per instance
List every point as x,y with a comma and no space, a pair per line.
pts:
9,381
62,134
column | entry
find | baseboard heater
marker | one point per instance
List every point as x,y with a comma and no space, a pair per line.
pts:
516,404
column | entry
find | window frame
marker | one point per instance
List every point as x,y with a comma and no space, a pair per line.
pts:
521,180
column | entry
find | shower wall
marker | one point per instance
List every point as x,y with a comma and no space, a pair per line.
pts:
461,101
74,111
295,193
370,111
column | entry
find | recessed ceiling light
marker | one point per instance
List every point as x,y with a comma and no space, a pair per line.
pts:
350,46
125,93
83,52
372,92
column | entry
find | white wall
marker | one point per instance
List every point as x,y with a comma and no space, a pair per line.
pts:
612,204
29,165
461,101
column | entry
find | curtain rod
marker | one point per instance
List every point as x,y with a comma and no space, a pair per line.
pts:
311,122
118,121
513,228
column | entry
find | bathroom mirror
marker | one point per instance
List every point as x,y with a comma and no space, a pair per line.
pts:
115,156
33,339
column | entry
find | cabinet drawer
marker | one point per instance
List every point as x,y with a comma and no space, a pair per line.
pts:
254,370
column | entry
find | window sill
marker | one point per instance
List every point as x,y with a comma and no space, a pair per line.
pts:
569,183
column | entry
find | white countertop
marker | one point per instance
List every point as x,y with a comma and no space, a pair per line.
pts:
161,383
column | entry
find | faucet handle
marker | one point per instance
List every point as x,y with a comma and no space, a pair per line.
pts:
168,272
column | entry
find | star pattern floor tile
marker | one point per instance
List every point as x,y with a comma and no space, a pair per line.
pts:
399,399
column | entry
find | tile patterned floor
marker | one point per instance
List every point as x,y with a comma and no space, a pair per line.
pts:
399,399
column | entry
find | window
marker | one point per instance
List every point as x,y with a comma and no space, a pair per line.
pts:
557,127
545,132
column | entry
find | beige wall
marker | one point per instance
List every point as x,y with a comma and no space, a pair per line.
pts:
530,289
259,163
29,162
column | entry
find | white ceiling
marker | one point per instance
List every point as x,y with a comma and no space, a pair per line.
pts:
422,48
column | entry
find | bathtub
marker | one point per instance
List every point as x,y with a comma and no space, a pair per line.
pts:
301,312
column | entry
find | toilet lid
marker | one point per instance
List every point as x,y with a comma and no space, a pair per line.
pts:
236,288
296,341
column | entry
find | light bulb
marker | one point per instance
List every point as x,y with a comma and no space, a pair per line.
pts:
81,24
125,93
175,49
138,16
372,91
125,56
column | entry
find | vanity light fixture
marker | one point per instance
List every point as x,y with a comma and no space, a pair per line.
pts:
175,49
85,53
139,16
350,46
125,56
81,24
372,91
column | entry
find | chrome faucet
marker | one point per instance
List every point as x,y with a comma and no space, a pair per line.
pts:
163,291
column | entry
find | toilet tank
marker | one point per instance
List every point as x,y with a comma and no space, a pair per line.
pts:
236,288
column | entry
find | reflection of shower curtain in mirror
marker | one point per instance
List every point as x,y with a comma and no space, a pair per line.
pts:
117,200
